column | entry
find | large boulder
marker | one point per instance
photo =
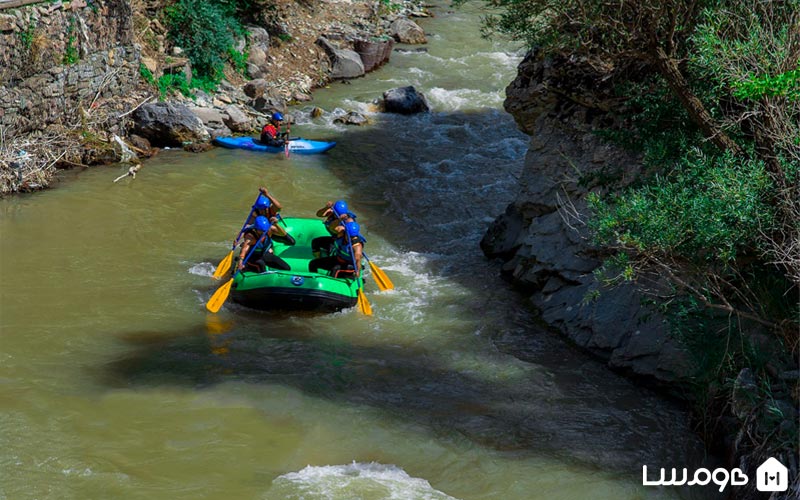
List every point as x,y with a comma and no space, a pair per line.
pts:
213,119
407,31
237,120
168,124
373,53
405,100
345,63
256,88
258,42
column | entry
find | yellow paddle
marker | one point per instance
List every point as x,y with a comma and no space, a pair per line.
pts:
221,295
363,303
383,281
225,264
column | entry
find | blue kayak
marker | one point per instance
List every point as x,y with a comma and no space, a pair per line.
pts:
296,145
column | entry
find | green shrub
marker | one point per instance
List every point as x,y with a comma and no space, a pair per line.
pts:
706,209
205,30
146,74
173,82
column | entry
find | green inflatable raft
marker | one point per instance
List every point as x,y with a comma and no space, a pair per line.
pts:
297,288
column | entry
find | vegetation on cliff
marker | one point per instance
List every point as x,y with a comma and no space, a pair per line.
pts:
709,94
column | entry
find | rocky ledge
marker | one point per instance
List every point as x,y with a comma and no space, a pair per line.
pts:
542,237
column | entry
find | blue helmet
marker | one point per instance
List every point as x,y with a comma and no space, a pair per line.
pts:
262,223
262,202
352,228
340,207
277,116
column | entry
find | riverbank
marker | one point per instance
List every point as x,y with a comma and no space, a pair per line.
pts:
99,61
743,382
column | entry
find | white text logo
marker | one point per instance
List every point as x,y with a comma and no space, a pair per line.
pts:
770,476
720,477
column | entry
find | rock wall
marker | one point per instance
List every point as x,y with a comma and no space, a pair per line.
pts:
55,57
543,238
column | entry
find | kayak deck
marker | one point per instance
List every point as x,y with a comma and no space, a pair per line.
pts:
297,145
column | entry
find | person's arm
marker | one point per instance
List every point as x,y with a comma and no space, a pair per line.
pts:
323,212
357,254
276,230
263,190
247,242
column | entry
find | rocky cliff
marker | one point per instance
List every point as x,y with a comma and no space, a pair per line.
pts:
542,238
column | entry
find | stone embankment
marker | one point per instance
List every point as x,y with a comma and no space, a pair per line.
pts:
73,76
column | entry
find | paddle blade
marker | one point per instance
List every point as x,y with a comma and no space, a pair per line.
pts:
383,281
220,296
224,266
363,304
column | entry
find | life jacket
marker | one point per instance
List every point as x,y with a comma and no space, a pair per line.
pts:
341,249
270,130
261,245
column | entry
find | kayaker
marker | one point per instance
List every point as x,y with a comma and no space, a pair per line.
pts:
271,133
269,207
263,256
336,214
343,252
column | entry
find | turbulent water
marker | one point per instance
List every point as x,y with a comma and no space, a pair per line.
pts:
115,382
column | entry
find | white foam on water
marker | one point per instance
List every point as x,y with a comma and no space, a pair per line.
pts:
203,269
373,481
459,99
410,303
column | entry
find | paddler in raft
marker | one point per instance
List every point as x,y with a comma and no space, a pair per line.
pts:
336,215
268,206
347,248
263,255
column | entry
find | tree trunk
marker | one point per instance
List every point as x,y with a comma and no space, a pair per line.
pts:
697,112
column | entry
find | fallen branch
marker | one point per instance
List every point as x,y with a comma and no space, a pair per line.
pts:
134,109
131,172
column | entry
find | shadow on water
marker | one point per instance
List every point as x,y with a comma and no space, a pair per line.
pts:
534,412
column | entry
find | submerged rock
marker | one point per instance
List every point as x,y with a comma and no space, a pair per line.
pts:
352,118
405,100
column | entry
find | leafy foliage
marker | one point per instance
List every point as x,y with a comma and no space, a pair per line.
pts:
205,29
173,82
708,209
146,74
70,50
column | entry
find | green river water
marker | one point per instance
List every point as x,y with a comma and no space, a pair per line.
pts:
116,384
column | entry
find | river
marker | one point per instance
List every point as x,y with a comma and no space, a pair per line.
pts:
116,383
